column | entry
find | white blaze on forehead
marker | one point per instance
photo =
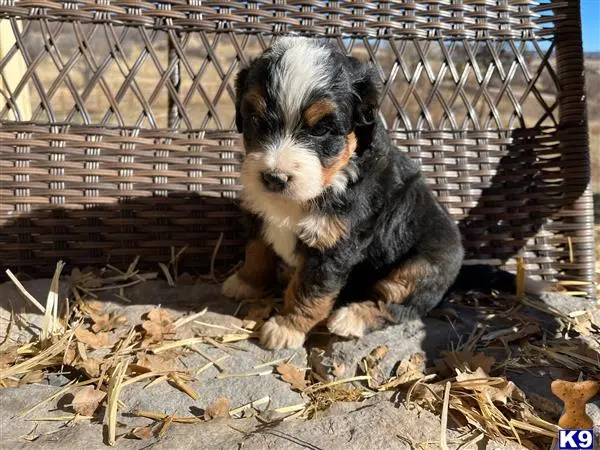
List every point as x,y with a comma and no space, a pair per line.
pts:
301,71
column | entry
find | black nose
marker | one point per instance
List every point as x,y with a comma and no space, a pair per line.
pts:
275,181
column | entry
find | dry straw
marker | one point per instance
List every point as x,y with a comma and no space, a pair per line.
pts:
473,393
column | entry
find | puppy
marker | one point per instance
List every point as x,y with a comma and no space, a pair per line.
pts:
330,196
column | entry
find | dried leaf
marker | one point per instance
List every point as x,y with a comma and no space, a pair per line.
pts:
428,392
107,322
8,357
410,370
98,340
292,375
496,393
93,306
153,331
9,383
157,363
142,432
505,391
90,366
220,408
87,400
70,355
160,316
481,361
466,361
159,326
32,377
524,332
377,354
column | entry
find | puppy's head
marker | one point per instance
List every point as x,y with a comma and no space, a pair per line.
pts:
305,109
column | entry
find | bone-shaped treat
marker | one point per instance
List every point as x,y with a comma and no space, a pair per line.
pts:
574,396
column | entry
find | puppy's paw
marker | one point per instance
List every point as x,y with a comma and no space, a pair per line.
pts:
276,334
234,287
347,322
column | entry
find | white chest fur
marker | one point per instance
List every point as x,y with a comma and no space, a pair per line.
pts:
283,240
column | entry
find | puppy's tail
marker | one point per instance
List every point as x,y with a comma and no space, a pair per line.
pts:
484,278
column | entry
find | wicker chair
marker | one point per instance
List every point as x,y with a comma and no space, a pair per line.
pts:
117,135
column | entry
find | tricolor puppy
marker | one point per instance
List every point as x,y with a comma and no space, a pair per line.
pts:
330,196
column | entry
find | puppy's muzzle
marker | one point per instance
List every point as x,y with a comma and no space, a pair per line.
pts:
276,181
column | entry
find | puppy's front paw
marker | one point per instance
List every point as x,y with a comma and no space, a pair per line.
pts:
276,334
347,322
234,287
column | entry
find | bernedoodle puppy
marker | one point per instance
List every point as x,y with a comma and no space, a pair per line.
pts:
331,197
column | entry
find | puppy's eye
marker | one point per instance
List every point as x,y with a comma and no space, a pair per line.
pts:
320,129
254,121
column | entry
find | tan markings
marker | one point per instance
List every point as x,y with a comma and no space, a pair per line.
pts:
289,298
256,98
315,112
402,281
330,172
284,274
260,266
320,231
304,312
358,318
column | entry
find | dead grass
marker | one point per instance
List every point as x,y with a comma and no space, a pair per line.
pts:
469,390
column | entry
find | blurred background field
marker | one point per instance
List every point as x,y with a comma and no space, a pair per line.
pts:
592,72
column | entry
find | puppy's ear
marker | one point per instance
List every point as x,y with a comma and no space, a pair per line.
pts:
366,98
240,88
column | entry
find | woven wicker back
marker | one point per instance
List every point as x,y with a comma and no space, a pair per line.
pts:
118,135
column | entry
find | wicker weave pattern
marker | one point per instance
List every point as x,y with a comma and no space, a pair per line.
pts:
161,80
468,19
133,116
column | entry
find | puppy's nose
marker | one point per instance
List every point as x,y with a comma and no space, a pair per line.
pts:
275,181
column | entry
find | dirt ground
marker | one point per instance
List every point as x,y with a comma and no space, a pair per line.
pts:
195,377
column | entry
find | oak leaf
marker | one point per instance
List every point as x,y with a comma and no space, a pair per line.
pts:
94,340
157,363
220,408
107,322
91,367
142,432
32,377
8,357
87,400
410,370
465,361
159,326
292,375
496,391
